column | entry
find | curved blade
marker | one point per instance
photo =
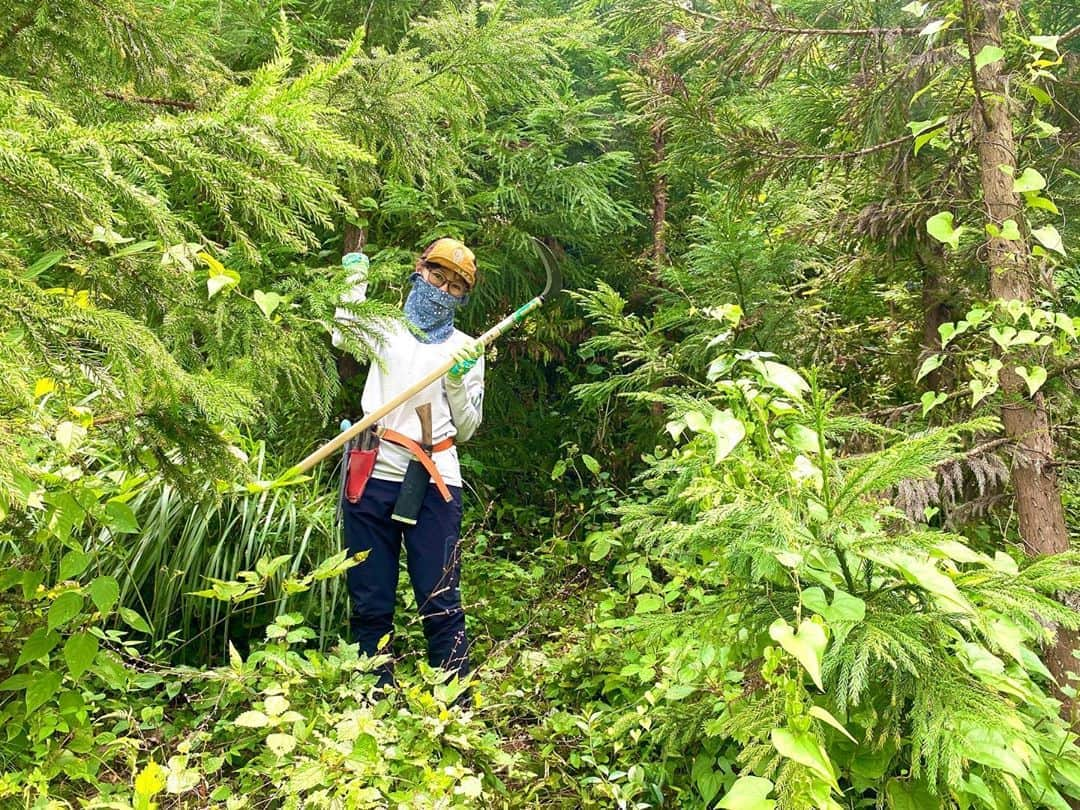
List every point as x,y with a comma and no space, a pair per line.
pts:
551,267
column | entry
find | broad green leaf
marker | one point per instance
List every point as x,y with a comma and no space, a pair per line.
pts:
252,719
134,620
69,435
1002,336
696,421
1034,377
591,463
806,750
104,591
729,431
844,607
40,643
221,281
1034,200
748,793
824,716
807,645
276,705
648,603
1049,237
120,518
911,795
1029,180
785,378
930,364
916,8
1039,94
919,127
930,400
64,608
267,302
948,331
1010,230
72,564
281,744
987,56
79,652
41,689
1045,42
940,226
934,27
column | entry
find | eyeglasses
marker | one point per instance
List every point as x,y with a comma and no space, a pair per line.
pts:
440,276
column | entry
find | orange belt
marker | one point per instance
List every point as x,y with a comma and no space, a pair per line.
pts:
421,455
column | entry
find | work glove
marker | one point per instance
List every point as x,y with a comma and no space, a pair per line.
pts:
465,358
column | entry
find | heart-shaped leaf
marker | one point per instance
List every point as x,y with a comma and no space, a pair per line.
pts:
825,716
1002,336
1049,237
1029,180
807,646
806,750
931,363
1010,230
221,281
930,400
1033,200
988,55
267,302
748,793
1034,377
1044,42
940,226
728,430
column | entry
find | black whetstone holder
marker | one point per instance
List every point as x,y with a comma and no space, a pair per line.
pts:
414,487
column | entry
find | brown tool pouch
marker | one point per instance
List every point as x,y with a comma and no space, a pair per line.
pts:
360,465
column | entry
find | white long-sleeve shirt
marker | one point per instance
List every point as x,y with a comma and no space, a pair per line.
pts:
457,406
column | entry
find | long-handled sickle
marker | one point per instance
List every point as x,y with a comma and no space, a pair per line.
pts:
554,285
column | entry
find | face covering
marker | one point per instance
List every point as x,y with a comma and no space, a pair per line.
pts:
431,310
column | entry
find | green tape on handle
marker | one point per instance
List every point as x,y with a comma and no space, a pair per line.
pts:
524,310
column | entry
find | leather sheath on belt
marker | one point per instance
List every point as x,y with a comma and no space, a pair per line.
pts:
417,451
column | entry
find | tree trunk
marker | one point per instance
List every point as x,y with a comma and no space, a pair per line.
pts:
936,311
1026,420
659,193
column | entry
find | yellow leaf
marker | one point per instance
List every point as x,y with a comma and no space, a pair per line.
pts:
43,386
150,781
216,267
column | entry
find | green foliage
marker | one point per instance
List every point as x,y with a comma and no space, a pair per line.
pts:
776,603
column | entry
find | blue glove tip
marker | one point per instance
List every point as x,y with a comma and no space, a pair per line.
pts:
345,425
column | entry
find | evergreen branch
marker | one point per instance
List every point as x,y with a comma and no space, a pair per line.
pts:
17,28
157,102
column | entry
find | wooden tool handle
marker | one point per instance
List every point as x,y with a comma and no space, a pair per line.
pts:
423,412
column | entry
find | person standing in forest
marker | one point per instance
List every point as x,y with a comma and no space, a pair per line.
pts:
419,436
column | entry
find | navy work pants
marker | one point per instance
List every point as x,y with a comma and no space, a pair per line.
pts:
432,549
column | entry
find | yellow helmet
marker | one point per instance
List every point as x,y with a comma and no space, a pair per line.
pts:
453,255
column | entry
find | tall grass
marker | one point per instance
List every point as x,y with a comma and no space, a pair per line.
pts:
184,539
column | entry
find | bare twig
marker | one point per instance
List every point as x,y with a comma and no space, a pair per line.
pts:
869,150
1072,32
157,102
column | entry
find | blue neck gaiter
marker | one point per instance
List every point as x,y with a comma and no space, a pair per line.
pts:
431,310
